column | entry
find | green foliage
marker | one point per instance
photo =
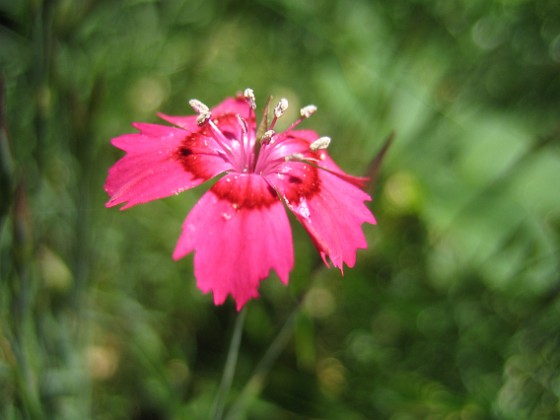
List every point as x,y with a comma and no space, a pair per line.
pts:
452,311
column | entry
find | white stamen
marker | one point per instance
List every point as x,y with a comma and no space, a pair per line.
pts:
249,96
320,144
281,108
267,135
198,106
307,111
203,118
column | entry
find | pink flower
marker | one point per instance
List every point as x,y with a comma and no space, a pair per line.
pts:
239,229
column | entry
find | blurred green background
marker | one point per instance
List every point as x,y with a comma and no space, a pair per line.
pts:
451,313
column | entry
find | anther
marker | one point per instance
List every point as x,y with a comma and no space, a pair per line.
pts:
198,106
203,118
307,111
320,144
267,136
249,96
281,108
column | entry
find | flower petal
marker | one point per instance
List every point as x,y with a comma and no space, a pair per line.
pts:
160,161
239,231
185,122
331,209
237,105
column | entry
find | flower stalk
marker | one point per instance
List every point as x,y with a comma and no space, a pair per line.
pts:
229,368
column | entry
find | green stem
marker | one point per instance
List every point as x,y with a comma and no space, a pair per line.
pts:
229,368
255,384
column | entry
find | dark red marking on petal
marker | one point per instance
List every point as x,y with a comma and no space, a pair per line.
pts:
193,154
245,191
301,181
185,151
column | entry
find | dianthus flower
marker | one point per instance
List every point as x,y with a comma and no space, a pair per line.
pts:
239,229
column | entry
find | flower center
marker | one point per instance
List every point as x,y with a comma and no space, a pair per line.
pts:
257,151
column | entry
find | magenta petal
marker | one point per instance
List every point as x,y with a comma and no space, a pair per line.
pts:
332,211
188,123
232,106
153,167
151,137
239,231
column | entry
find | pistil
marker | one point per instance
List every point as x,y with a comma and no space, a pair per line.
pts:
244,145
